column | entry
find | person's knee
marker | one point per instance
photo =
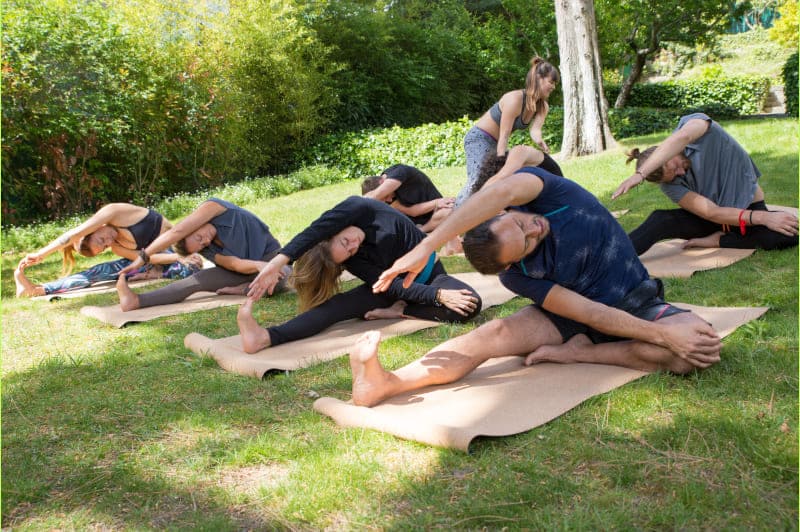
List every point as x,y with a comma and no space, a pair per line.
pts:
778,241
662,216
498,328
471,315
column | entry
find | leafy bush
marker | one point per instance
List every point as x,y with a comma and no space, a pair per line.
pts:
134,102
369,151
790,84
745,94
785,29
93,113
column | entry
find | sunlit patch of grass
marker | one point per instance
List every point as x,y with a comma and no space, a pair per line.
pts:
125,429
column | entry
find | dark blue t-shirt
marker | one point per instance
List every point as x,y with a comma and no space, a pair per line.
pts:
242,234
586,250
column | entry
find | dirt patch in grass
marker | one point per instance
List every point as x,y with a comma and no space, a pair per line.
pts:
250,479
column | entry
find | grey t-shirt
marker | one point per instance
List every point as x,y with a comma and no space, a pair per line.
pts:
721,170
242,234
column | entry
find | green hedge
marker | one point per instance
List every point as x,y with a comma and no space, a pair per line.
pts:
732,95
357,154
790,84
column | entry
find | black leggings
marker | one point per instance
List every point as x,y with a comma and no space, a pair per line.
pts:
360,300
206,280
549,164
680,223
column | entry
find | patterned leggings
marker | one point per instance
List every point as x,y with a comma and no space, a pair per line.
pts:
108,271
477,145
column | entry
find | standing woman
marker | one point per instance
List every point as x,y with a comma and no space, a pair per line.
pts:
363,236
519,109
235,240
124,228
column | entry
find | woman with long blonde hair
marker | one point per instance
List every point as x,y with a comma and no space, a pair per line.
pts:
121,227
519,109
234,239
364,237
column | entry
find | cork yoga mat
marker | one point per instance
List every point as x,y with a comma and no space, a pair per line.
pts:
503,396
331,343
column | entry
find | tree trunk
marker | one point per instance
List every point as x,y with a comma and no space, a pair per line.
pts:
630,81
586,129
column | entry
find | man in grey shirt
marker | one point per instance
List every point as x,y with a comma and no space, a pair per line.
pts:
715,182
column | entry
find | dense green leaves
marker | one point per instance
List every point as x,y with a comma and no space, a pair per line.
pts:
141,100
94,113
790,84
723,95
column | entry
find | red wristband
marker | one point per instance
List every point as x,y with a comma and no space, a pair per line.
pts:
742,224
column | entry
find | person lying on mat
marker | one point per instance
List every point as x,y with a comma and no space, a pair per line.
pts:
715,182
362,236
123,228
496,167
593,301
235,240
411,192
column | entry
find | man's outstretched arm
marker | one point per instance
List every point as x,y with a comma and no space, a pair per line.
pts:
517,189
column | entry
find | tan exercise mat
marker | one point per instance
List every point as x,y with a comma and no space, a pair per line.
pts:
502,397
113,315
331,343
792,210
669,259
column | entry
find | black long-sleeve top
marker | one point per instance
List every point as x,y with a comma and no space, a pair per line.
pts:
389,235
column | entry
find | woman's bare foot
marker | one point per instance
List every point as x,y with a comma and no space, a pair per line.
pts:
565,353
238,290
710,241
128,299
254,337
152,273
453,247
395,311
370,380
25,288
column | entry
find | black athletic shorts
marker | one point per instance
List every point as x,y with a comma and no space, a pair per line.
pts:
646,301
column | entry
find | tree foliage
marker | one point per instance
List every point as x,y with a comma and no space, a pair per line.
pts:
135,100
785,29
635,30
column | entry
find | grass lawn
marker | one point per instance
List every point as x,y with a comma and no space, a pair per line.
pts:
126,429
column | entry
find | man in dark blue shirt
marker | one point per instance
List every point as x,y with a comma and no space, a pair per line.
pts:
593,301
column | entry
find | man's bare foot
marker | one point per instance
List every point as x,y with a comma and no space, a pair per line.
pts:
128,299
238,290
254,337
565,353
25,288
370,380
710,241
395,311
